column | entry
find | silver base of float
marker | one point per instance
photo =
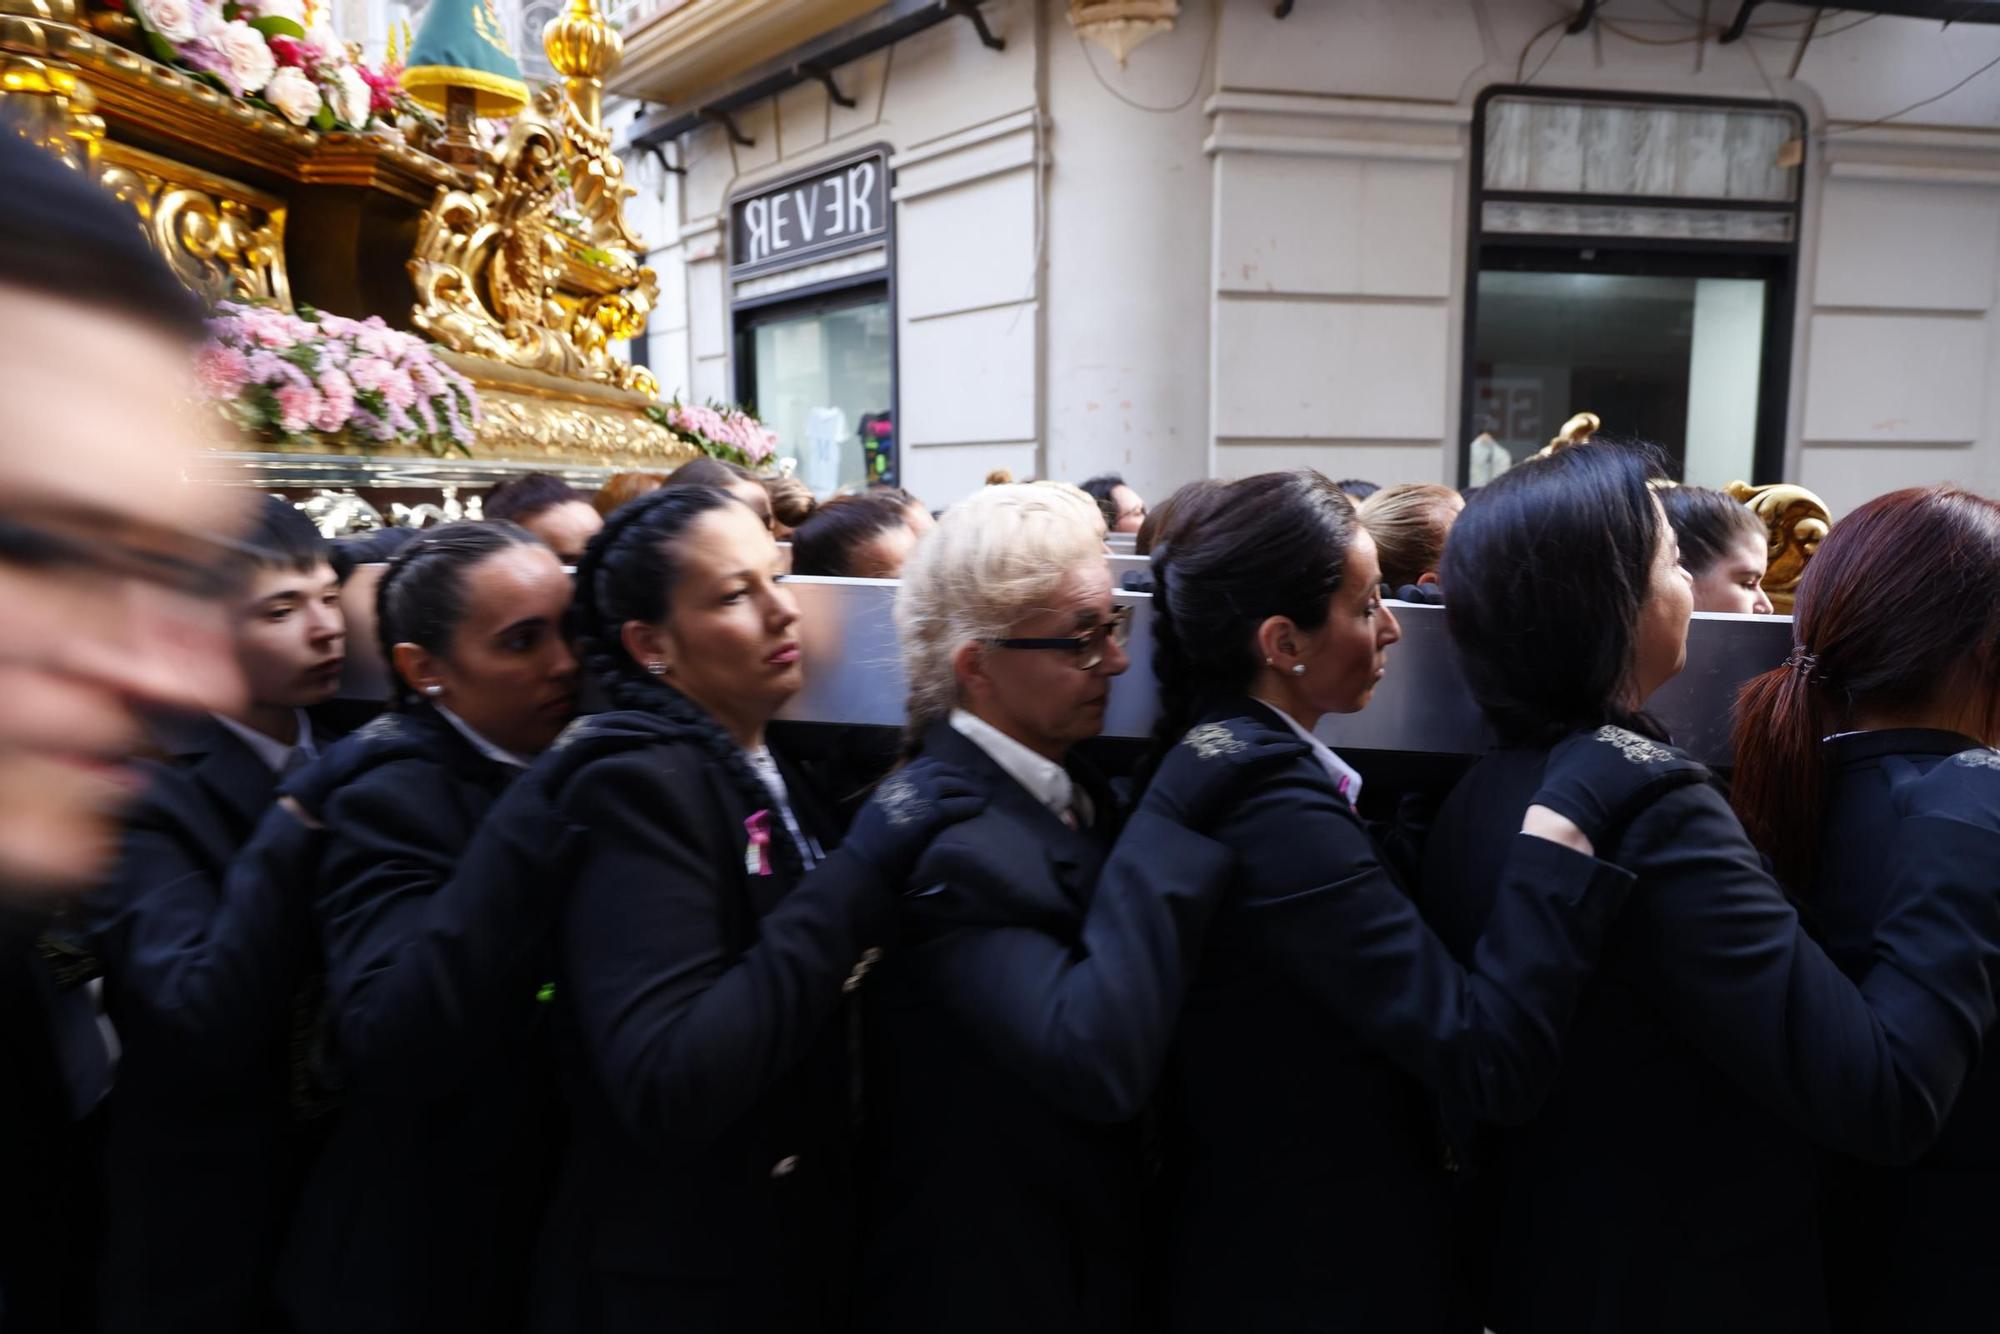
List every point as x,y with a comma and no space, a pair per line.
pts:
854,676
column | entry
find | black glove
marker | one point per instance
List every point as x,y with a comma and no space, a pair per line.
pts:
1602,778
1210,768
907,811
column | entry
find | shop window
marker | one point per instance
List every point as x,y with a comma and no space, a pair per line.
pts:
1635,260
821,375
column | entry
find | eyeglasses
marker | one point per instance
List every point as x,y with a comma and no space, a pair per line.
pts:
1089,647
207,567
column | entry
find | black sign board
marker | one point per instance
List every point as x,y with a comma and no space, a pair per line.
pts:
837,208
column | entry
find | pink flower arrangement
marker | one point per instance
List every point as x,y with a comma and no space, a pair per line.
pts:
245,47
724,432
291,377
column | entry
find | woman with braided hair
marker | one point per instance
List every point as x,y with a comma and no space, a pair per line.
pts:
420,1215
709,932
1325,1026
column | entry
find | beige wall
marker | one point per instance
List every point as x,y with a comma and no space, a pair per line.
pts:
1268,269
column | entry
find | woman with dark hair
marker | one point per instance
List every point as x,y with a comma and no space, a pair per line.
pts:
854,537
1305,1184
733,478
708,935
1667,1184
1896,671
420,1213
1724,548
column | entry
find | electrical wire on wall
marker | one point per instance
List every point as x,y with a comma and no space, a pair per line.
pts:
1201,76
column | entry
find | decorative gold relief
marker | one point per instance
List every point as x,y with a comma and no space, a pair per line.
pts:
223,239
1797,521
497,276
50,105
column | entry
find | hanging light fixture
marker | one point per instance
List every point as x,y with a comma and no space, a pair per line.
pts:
1120,25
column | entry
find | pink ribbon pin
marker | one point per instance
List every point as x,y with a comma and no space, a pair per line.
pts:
757,856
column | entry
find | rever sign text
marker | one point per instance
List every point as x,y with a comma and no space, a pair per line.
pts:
836,209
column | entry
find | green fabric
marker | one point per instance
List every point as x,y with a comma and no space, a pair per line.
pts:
462,45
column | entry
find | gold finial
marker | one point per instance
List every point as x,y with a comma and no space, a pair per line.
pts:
584,48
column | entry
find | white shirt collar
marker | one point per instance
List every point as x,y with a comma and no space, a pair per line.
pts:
1045,780
480,743
274,753
1345,777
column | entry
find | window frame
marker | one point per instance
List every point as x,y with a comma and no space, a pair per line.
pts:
1777,263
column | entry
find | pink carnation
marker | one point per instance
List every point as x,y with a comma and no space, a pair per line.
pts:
371,373
336,400
298,407
222,370
291,51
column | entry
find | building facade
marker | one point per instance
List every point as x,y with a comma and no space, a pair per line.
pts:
1391,239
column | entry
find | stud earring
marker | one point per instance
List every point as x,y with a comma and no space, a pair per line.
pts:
433,690
1269,663
656,667
1298,669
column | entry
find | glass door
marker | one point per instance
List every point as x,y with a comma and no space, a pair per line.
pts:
821,374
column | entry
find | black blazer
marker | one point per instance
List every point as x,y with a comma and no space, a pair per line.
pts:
1667,1185
1306,1179
200,971
421,1212
1913,1248
1015,1032
707,1181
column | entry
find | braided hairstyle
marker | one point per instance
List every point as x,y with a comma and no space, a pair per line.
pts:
1235,556
628,573
421,598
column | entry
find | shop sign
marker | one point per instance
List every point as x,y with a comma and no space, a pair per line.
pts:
836,209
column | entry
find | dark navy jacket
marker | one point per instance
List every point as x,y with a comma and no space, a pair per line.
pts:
1913,1248
707,1179
1667,1185
422,1210
1016,1030
201,966
1305,1175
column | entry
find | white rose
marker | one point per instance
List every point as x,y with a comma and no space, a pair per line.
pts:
292,93
295,10
172,19
247,54
326,44
349,94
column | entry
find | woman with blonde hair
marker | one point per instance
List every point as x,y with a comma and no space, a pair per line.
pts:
1409,523
1016,1029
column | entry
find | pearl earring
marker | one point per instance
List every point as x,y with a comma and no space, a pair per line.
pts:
433,690
657,667
1269,663
1298,669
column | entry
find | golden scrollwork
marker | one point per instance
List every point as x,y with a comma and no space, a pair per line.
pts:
499,275
222,238
1797,521
51,106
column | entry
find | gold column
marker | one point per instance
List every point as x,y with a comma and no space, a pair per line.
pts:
583,48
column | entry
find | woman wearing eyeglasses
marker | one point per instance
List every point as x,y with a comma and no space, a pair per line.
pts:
1016,1026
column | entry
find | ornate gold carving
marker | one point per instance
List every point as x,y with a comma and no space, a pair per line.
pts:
498,277
223,239
52,106
583,48
1797,520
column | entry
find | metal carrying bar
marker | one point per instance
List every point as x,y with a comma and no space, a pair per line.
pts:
854,675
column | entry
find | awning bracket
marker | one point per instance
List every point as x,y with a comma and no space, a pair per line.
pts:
978,20
1738,25
728,123
824,77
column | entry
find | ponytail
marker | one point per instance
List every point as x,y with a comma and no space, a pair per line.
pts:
1779,785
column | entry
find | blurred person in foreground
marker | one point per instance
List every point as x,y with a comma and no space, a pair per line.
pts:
107,585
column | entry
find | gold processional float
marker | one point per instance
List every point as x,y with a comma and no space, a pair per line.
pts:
512,258
1795,520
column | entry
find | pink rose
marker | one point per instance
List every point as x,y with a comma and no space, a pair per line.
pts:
246,56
